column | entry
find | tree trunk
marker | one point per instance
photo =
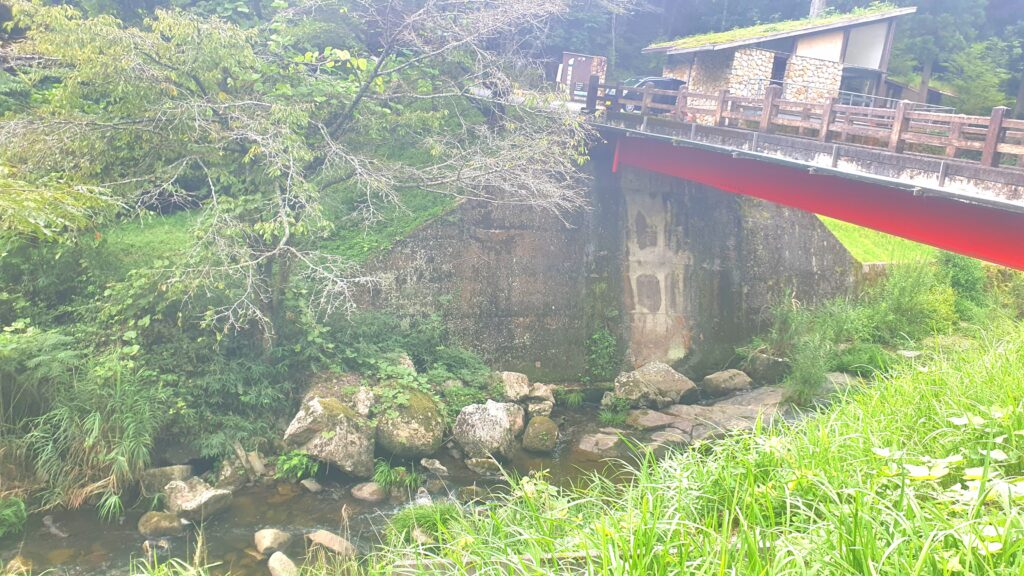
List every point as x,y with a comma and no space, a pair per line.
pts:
926,78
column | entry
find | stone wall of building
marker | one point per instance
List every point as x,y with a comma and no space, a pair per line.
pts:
711,72
677,67
812,80
751,70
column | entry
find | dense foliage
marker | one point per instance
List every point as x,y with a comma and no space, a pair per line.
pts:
916,471
188,192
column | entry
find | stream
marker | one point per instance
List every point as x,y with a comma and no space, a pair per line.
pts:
94,547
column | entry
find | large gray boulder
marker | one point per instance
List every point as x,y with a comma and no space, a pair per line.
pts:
330,430
489,429
412,430
600,445
333,543
541,400
369,492
515,385
195,500
765,369
726,382
653,385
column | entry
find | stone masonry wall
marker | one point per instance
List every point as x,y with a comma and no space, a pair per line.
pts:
812,80
676,67
751,70
711,72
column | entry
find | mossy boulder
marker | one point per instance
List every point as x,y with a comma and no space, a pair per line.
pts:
330,430
726,382
160,525
412,430
541,435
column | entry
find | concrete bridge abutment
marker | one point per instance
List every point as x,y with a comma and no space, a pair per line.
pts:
677,271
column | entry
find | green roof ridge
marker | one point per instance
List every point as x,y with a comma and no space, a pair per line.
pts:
769,28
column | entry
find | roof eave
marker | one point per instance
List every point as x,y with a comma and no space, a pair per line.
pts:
778,35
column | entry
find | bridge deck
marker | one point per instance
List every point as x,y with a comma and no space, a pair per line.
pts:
948,201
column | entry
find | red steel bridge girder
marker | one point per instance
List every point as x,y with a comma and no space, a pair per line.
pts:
983,232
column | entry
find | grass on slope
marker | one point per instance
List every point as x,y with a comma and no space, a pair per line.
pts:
867,245
918,474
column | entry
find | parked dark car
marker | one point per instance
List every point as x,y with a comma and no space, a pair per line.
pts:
631,86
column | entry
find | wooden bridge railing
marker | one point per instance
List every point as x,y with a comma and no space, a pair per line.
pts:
995,140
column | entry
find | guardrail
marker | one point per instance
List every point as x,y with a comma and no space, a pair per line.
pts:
995,141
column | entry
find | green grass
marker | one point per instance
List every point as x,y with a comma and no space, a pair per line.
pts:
869,245
137,244
759,30
356,241
884,483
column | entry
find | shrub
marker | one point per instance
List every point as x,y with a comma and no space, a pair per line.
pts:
603,358
296,465
96,439
863,359
434,519
911,304
809,364
396,477
614,414
967,279
569,398
12,516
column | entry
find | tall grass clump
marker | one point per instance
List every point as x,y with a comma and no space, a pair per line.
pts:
12,516
95,441
920,474
859,334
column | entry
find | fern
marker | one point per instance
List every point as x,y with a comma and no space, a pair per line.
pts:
12,516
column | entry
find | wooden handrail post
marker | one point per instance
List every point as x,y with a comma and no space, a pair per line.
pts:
770,95
956,127
899,126
592,87
826,120
990,154
646,102
613,104
720,106
680,112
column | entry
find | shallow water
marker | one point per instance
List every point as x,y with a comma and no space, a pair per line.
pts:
96,548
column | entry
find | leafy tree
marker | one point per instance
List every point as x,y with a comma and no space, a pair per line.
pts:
1006,23
937,31
978,75
256,127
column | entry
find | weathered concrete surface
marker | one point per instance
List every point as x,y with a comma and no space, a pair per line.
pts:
678,270
523,287
702,267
